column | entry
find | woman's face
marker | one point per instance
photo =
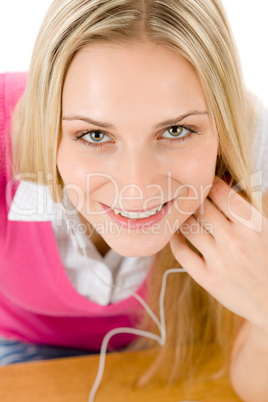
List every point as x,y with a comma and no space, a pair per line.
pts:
136,135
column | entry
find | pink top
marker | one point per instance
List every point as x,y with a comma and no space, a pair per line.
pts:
38,303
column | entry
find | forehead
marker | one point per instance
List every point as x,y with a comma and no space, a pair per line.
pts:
134,75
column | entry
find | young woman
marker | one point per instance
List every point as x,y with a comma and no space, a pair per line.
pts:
133,126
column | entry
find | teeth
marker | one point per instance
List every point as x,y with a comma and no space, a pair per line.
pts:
138,215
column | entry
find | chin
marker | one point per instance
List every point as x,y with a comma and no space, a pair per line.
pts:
138,247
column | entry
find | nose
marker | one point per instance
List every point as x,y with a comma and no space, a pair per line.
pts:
140,180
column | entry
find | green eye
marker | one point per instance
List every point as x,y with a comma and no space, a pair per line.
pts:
175,131
96,135
178,133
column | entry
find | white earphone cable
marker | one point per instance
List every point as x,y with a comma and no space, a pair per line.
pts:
161,339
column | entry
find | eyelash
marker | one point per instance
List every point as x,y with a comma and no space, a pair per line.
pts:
192,130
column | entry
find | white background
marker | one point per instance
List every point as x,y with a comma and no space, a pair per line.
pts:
20,21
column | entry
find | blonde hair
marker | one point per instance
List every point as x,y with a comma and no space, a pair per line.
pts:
196,29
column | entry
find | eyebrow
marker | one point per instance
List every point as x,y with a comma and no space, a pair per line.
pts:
110,126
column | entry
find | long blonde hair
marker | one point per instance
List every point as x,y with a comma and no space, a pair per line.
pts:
196,29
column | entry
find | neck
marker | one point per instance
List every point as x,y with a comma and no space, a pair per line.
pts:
95,237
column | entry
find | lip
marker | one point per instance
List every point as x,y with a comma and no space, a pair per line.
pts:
138,223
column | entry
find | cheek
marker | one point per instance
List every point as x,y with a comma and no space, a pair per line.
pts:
84,179
72,166
197,169
198,175
72,172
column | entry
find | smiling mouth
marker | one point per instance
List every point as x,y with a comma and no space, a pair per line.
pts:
139,215
138,219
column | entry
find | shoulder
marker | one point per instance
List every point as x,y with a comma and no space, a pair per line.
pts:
12,86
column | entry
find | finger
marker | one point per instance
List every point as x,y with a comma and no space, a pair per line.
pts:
188,259
236,208
212,219
198,236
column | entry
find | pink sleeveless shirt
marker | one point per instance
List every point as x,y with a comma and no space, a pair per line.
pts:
38,303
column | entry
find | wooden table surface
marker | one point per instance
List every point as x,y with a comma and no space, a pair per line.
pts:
70,380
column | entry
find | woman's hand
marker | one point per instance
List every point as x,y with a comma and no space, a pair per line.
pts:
234,246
